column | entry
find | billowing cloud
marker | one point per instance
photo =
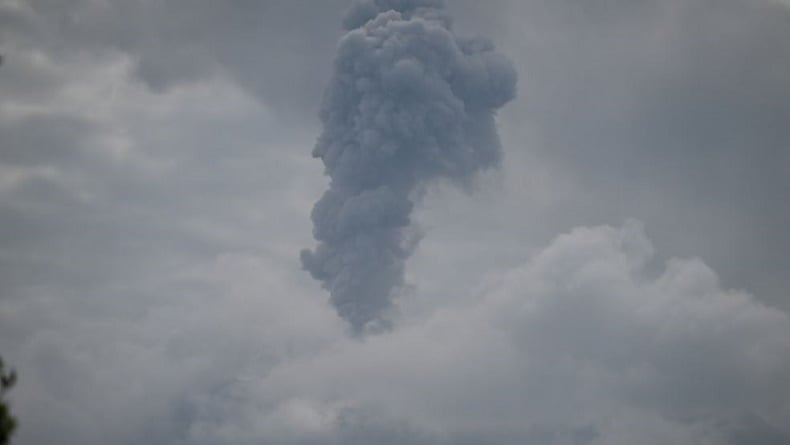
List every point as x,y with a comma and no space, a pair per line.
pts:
409,103
581,344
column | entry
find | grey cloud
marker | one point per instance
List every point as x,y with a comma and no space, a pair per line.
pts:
252,41
682,101
409,103
40,140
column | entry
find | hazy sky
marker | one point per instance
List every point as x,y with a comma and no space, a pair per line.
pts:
620,278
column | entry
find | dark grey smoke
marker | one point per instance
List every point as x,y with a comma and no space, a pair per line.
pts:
409,102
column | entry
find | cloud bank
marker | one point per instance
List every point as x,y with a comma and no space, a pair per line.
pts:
409,103
580,345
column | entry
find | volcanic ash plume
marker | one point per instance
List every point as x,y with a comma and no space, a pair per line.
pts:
409,102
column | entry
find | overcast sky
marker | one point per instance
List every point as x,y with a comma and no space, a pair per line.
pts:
621,277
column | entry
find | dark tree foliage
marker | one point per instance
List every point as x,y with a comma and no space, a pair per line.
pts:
7,421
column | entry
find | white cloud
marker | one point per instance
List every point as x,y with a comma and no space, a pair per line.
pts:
580,338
